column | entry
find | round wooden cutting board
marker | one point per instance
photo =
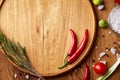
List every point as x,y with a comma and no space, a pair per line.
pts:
42,26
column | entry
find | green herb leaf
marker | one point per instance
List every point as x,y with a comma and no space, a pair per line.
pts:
17,54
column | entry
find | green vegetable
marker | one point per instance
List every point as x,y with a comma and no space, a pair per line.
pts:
97,2
110,71
17,54
103,23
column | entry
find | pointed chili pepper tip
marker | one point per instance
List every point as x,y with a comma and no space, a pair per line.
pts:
87,73
65,64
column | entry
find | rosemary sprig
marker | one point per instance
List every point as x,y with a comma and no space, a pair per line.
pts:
17,54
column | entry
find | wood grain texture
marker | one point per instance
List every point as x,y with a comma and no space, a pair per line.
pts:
1,1
103,40
43,26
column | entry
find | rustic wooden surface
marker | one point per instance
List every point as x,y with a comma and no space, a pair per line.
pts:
43,26
103,40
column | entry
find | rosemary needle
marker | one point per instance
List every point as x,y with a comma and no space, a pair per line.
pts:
17,54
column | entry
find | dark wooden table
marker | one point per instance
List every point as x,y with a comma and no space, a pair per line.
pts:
105,38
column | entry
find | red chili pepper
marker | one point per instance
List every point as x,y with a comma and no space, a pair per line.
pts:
87,73
78,51
117,1
74,44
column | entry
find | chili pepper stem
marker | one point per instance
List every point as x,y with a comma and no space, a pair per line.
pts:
65,64
66,57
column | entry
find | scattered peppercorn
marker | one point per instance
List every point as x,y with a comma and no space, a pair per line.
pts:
103,36
114,42
38,79
106,48
115,46
93,60
107,55
20,74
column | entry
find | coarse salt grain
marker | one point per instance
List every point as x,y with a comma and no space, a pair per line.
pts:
15,75
102,54
76,70
109,32
96,47
38,79
107,50
93,65
113,50
100,7
99,58
104,62
118,56
27,76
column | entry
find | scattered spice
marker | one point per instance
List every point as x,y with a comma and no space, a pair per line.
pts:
93,60
114,42
39,79
103,36
113,50
109,32
102,54
99,58
27,76
104,62
96,47
101,7
107,55
15,75
76,70
118,56
20,74
110,71
115,47
107,50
